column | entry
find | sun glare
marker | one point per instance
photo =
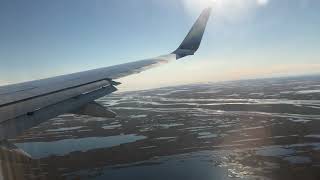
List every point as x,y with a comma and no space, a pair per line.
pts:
229,9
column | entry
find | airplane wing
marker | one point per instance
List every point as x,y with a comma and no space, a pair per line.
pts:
25,105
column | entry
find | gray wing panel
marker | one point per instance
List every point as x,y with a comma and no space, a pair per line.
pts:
29,105
15,127
13,93
30,96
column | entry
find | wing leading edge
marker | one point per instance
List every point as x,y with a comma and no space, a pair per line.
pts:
25,105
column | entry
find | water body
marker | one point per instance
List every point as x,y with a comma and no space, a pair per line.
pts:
201,165
66,146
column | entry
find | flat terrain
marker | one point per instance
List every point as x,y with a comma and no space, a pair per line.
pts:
254,129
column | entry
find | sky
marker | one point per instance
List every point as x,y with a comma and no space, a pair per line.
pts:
244,39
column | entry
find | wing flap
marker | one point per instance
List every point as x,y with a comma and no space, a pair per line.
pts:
24,106
96,110
15,127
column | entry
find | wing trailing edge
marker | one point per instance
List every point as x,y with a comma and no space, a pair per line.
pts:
96,110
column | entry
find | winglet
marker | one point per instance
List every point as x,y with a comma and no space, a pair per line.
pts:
192,41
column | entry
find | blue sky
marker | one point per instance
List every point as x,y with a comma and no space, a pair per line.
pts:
244,39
